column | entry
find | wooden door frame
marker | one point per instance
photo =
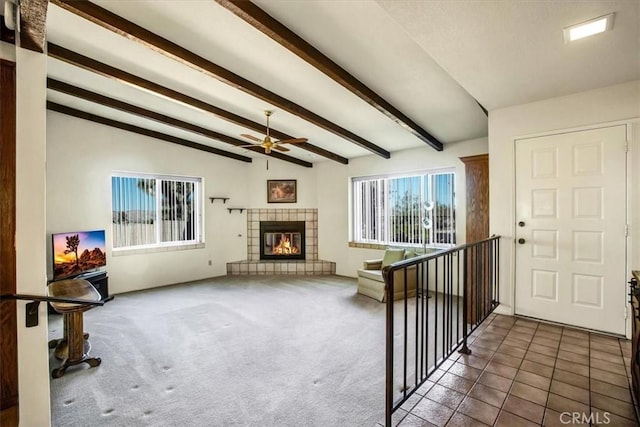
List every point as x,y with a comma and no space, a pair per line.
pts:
631,141
9,409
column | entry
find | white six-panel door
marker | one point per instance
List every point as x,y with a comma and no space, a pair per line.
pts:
571,228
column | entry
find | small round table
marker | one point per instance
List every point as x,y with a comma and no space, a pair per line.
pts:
71,347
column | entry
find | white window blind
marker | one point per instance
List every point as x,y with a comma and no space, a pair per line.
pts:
155,210
414,209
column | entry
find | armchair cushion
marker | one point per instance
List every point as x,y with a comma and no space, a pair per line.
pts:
392,255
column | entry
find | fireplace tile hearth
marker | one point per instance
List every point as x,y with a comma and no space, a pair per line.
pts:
311,265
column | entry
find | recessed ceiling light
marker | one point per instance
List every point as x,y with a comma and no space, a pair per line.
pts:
588,28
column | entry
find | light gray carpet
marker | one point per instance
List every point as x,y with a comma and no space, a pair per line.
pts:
236,350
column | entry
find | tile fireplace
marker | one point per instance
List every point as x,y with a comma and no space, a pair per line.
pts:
304,263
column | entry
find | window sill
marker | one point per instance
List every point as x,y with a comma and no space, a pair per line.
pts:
155,249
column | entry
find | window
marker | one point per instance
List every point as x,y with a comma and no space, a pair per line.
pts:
408,209
154,210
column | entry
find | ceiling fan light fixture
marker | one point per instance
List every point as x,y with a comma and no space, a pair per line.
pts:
588,28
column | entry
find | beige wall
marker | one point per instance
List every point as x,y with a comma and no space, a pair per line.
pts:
33,352
605,105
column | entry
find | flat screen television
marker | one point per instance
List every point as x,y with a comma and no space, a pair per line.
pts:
78,252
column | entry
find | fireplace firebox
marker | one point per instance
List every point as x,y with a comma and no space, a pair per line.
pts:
282,240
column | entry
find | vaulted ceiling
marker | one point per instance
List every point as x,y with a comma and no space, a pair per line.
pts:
354,77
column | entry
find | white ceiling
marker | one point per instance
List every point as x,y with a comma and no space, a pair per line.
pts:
429,59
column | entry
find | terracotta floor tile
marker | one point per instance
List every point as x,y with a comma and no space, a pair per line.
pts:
495,381
502,370
571,378
576,368
536,368
543,349
465,371
479,410
488,395
523,330
436,375
413,421
568,332
488,344
580,342
603,355
433,412
524,408
610,404
507,419
527,392
411,402
614,368
454,382
574,348
602,339
497,330
445,396
425,387
610,390
608,377
490,336
562,404
613,349
524,323
473,361
570,391
550,328
546,341
517,342
573,357
511,351
555,336
482,352
461,420
534,380
542,359
505,359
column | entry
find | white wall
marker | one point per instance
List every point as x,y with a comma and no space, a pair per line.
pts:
33,352
609,104
333,196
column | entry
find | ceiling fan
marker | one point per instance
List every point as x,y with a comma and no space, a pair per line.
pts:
267,143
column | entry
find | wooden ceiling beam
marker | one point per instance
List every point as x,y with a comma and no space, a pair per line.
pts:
264,22
33,19
142,131
131,31
94,97
78,60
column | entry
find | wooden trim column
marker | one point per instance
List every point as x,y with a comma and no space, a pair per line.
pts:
8,323
477,224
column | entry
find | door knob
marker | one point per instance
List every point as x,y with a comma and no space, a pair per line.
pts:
521,224
521,241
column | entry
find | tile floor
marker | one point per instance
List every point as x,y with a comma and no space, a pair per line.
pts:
526,373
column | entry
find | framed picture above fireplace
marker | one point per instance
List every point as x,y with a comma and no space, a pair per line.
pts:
282,191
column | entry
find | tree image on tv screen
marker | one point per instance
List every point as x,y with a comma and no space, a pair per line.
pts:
72,243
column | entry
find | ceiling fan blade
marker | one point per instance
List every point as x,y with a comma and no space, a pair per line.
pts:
251,137
248,145
277,147
293,141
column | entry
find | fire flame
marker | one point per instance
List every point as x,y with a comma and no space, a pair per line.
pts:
285,247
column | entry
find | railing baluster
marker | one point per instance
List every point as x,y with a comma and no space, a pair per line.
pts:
477,268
